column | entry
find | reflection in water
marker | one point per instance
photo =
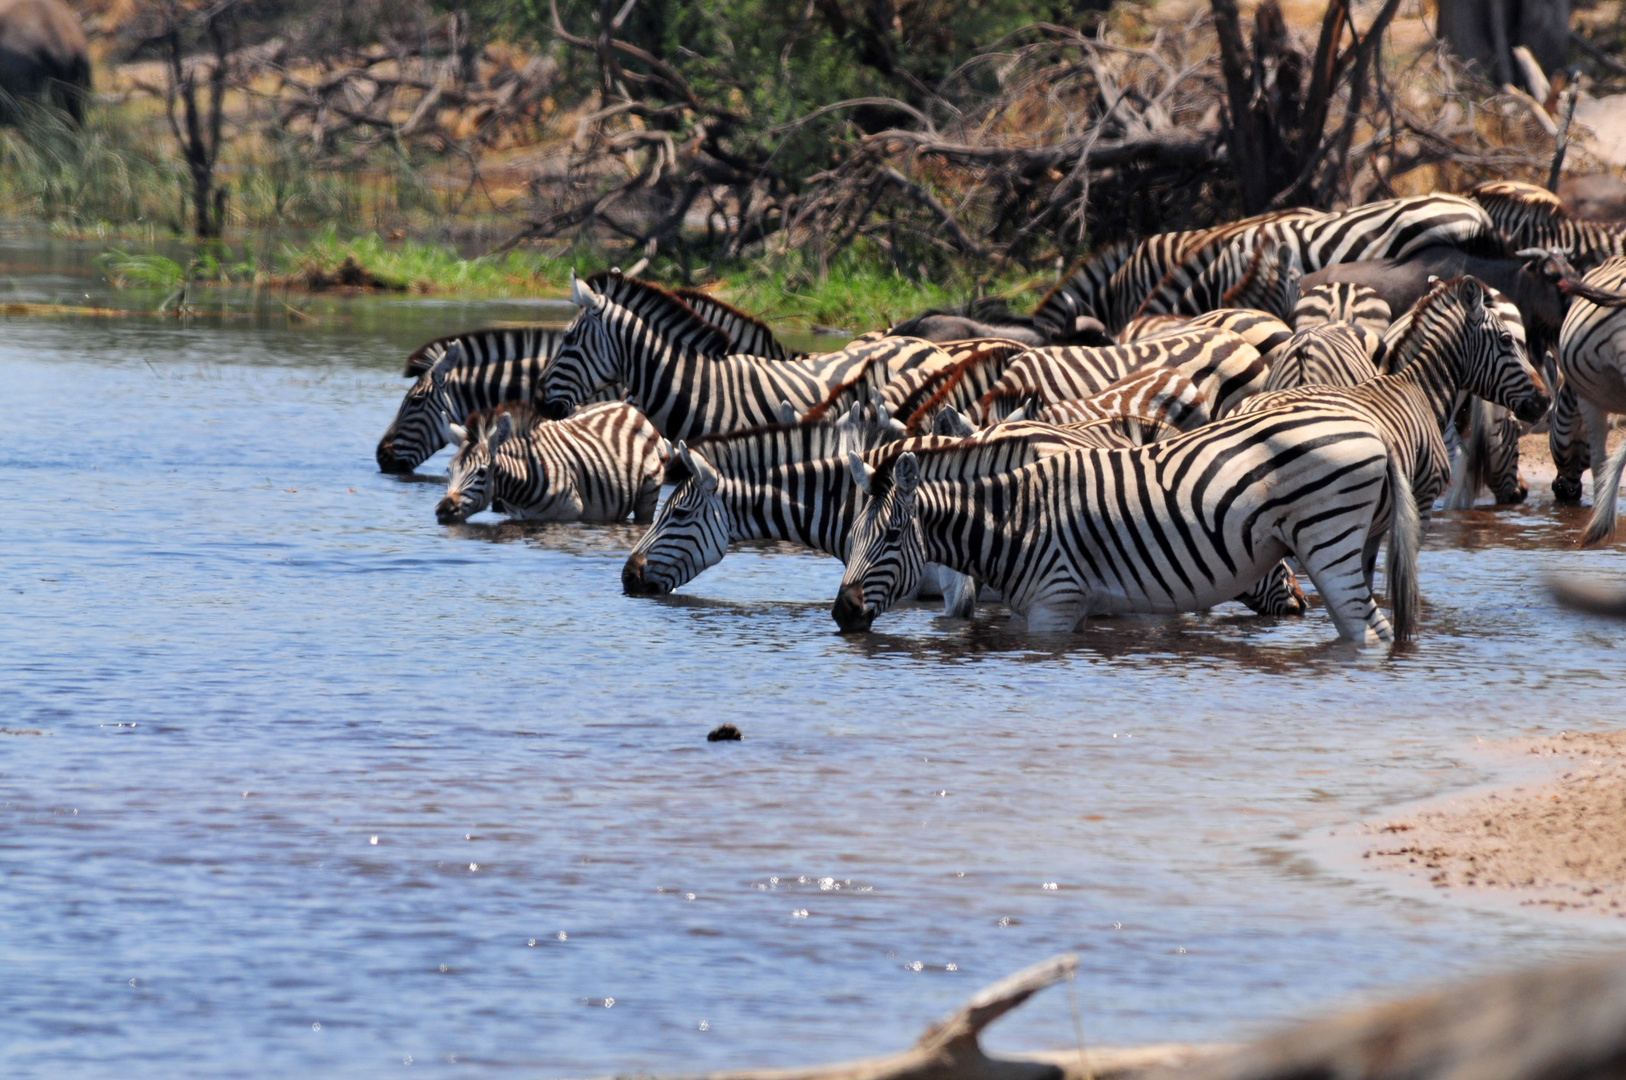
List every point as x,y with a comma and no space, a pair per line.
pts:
249,656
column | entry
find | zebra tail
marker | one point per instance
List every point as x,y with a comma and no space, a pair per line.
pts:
1475,460
1405,536
1605,494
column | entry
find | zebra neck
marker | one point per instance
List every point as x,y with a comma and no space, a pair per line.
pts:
967,525
809,503
646,351
513,479
1432,361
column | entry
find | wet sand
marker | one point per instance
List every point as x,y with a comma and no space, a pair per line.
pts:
1558,844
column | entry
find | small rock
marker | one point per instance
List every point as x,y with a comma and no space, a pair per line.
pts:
724,733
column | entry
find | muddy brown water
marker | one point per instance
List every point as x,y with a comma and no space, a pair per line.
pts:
294,779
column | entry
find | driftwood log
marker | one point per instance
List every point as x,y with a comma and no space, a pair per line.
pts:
1565,1022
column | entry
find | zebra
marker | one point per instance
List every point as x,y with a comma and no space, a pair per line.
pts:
1391,229
1345,302
1568,443
1483,439
1331,354
1592,361
460,374
1527,216
746,334
677,368
783,482
1059,374
1454,339
1176,526
1074,304
1264,331
915,396
600,464
1144,326
457,375
1257,272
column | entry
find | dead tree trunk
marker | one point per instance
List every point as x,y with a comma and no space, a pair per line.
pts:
199,138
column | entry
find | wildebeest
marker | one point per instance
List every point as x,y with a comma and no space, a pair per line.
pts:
43,54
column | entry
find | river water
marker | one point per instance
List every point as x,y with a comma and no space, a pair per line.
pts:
294,779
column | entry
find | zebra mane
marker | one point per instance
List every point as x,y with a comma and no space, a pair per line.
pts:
521,414
651,303
718,313
941,458
1079,291
1408,334
841,392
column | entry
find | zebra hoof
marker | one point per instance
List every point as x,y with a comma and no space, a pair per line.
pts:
1567,489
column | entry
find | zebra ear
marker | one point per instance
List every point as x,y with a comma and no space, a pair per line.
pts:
863,475
949,422
787,414
501,432
581,294
458,432
905,474
698,467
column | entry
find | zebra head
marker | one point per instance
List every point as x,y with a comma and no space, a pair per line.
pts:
422,423
1497,367
587,360
689,533
888,552
468,489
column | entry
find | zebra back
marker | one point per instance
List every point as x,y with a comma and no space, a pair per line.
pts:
1527,216
492,345
1397,228
1146,326
1059,374
916,397
1264,331
1162,394
1332,354
1171,267
1257,270
1342,301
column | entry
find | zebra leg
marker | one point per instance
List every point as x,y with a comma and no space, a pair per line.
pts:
1597,436
649,494
1277,593
1340,577
1567,442
1045,618
959,594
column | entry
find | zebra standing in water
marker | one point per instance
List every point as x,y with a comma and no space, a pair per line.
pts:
1177,526
601,464
677,368
461,374
458,375
1592,360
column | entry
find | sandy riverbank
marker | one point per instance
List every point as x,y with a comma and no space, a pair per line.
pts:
1558,844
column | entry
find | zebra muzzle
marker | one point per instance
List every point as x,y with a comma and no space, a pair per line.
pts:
447,512
850,612
634,582
1532,408
389,461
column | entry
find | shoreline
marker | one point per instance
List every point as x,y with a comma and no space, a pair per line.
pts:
1547,837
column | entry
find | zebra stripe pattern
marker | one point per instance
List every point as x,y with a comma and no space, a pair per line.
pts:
746,334
677,372
1176,526
1164,394
1527,216
1592,361
1081,292
1053,375
459,375
601,464
1332,354
1257,272
1342,301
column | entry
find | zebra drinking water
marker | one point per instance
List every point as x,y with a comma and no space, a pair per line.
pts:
1180,525
601,464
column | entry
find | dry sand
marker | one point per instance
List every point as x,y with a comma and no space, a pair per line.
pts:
1559,844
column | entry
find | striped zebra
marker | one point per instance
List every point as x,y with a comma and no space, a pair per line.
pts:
787,482
1264,331
917,395
1483,439
1342,302
1177,526
1168,395
1257,272
1527,216
1391,229
1452,340
1331,354
678,371
458,375
461,374
600,464
1060,374
1076,301
1144,326
746,333
1592,361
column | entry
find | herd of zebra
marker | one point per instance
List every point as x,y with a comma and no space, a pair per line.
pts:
1184,421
